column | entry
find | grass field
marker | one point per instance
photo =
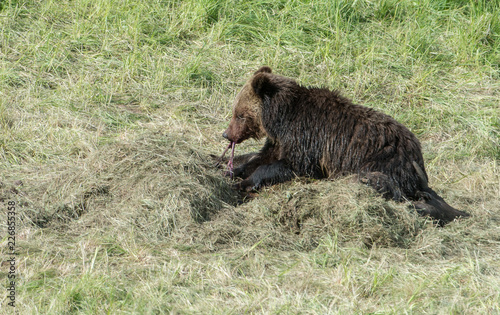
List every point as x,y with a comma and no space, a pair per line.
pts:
109,111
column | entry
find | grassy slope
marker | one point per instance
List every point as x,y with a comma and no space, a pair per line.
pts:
108,112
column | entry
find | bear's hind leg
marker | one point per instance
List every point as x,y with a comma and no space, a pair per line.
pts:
382,184
431,204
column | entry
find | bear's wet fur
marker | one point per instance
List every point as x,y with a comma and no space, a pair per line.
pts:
318,133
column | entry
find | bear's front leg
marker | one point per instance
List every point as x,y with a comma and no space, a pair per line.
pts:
267,155
246,169
268,174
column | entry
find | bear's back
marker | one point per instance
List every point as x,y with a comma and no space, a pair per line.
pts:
326,135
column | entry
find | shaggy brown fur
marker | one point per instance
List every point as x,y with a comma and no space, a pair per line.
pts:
318,133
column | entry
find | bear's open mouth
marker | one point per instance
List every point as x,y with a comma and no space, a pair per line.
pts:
230,165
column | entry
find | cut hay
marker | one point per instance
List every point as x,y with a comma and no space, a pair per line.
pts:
164,188
156,183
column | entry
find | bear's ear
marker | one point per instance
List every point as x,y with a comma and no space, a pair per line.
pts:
264,69
262,85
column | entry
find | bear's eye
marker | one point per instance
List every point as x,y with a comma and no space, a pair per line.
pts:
240,117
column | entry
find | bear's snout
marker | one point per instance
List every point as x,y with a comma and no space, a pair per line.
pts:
233,132
230,135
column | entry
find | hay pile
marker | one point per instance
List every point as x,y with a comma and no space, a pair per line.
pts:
299,214
165,188
154,183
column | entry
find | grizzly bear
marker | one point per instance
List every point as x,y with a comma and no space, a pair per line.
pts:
318,133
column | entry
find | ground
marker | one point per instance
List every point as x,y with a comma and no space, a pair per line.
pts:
109,112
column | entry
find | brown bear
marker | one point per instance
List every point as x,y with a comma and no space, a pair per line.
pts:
318,133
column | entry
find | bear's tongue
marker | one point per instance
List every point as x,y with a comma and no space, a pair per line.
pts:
231,145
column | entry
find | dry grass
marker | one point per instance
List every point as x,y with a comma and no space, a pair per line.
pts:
149,225
109,112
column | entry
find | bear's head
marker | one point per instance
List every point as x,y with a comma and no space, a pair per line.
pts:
247,108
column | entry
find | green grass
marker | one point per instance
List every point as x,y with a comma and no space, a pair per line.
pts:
109,111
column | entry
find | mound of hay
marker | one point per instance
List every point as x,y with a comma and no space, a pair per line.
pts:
155,183
299,214
164,188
